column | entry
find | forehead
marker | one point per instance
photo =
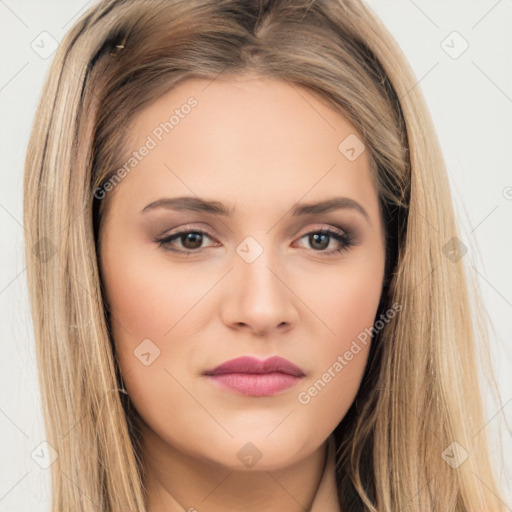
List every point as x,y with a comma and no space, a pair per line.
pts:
250,140
246,113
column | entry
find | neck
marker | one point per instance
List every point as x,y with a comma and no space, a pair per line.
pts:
176,482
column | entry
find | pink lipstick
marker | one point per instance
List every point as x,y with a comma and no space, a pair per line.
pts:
250,376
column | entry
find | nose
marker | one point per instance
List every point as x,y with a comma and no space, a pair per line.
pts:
258,297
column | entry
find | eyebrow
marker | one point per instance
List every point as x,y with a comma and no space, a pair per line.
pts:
196,204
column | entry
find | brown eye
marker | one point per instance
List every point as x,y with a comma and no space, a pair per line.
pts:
191,240
188,241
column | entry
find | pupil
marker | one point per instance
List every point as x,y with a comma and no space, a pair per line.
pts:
192,237
316,236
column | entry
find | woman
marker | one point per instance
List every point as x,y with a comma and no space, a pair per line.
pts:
247,288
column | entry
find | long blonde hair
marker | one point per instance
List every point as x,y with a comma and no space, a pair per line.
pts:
419,393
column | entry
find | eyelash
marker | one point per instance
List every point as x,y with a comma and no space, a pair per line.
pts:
347,239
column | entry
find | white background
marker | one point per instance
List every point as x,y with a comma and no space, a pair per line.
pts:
470,99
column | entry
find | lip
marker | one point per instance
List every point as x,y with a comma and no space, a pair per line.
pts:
250,376
251,365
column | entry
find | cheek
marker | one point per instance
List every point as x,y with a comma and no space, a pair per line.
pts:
145,301
346,302
147,296
160,311
149,306
343,297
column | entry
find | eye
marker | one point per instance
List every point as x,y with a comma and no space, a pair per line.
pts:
320,240
190,241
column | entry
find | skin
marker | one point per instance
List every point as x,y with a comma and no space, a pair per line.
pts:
258,146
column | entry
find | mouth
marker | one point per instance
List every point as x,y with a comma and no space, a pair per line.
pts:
250,376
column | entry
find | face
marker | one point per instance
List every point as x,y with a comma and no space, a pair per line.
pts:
246,266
